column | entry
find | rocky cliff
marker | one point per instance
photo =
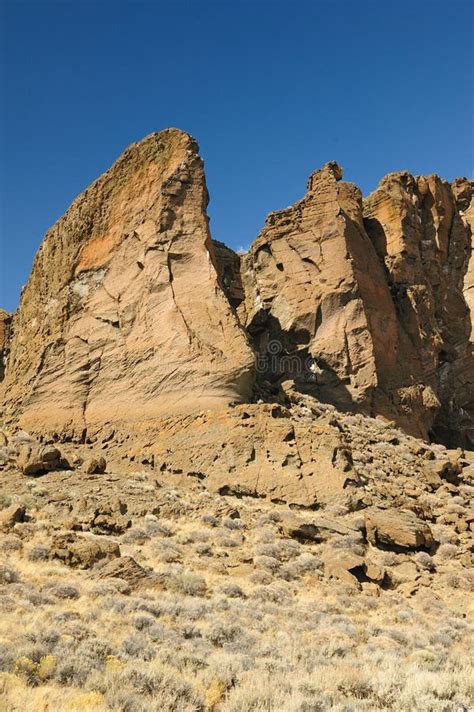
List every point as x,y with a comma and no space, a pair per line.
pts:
123,317
360,303
132,314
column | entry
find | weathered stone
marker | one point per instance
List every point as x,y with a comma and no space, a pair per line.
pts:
110,517
343,565
424,243
5,328
398,529
315,529
374,572
259,450
95,465
361,302
125,568
82,551
10,516
38,459
123,318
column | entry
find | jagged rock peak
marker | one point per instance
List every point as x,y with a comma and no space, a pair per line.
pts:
365,302
331,169
123,317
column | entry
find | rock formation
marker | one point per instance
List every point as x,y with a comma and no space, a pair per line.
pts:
132,316
361,302
5,322
425,246
123,318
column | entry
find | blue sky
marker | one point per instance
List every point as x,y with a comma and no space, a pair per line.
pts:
270,89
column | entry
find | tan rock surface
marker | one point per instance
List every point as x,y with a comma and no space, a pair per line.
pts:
424,242
123,318
315,288
397,529
361,302
255,450
5,327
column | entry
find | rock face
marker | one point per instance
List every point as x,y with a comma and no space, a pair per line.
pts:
316,299
401,530
257,450
133,316
425,246
361,304
5,322
123,318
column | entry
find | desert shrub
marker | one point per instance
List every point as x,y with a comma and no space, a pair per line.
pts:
232,590
210,520
227,542
275,594
424,561
5,500
447,551
134,646
8,574
265,535
7,657
350,542
147,606
143,622
77,662
156,632
153,688
221,633
269,549
233,523
268,563
261,578
136,535
11,543
307,563
188,583
65,590
203,549
39,552
167,553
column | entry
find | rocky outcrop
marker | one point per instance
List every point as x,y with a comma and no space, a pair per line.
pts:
360,303
425,245
257,450
396,529
133,316
123,318
463,191
316,300
5,323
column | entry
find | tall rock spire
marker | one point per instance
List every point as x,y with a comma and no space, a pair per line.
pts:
123,319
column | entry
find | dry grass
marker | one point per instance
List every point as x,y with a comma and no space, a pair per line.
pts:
240,619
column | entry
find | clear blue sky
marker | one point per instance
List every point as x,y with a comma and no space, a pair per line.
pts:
271,90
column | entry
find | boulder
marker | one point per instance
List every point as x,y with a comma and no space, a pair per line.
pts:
98,516
343,565
95,465
397,529
11,516
82,551
125,568
38,459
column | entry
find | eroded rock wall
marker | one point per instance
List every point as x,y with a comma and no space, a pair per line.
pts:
123,318
361,303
